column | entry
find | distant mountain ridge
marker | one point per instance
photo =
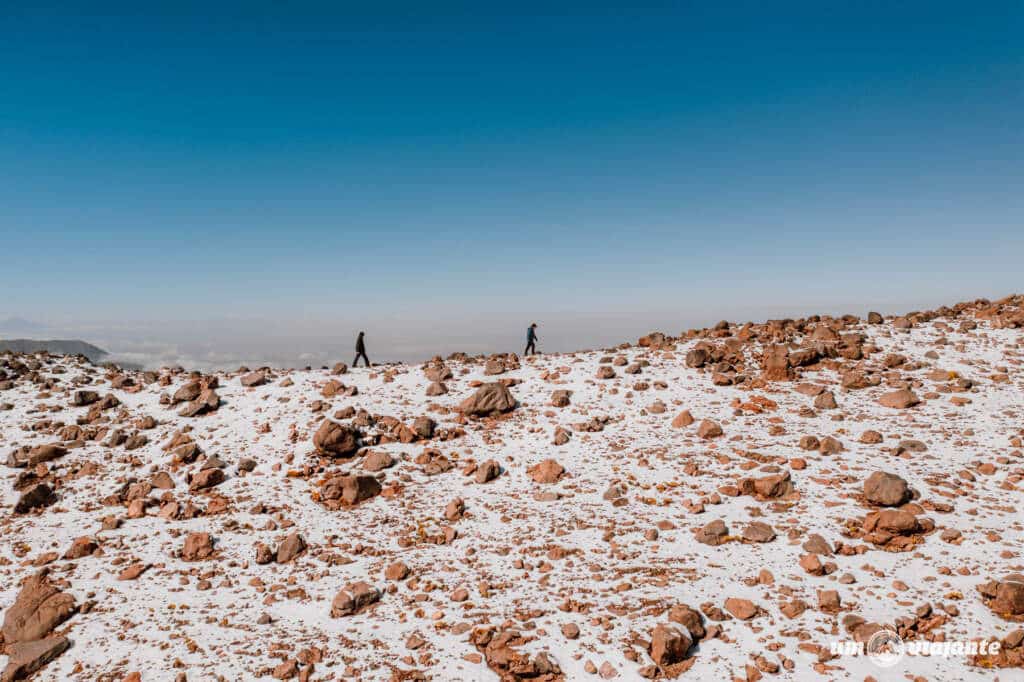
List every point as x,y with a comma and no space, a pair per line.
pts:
19,326
56,346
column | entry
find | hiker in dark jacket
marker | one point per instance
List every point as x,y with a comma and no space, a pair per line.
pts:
531,340
360,351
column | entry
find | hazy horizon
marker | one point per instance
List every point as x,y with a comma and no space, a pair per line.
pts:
214,183
228,344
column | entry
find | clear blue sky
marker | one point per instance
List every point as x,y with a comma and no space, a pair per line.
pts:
447,165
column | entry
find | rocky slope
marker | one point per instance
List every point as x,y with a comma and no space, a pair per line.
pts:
719,505
59,346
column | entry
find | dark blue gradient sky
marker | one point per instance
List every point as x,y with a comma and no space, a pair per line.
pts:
434,170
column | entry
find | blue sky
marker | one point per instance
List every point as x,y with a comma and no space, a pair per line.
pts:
443,174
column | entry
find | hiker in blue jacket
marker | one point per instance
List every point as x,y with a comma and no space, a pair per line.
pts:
531,340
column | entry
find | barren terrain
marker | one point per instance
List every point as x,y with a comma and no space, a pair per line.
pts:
719,504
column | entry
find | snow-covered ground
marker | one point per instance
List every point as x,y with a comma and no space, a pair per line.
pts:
534,556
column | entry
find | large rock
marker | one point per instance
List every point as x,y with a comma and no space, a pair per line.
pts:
802,357
823,333
38,496
378,461
758,531
187,393
1005,597
899,400
548,471
682,420
714,533
424,427
1010,596
85,398
776,364
332,388
337,440
251,379
17,458
291,547
817,545
37,610
744,609
437,373
654,340
709,429
206,478
697,357
353,599
829,445
208,401
436,388
494,366
396,570
25,658
854,380
886,490
825,400
894,521
44,453
493,398
669,644
339,491
561,397
772,486
488,471
688,617
81,547
198,546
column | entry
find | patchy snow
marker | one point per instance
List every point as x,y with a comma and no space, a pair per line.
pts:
162,624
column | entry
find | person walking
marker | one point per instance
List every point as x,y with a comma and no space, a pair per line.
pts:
360,351
531,340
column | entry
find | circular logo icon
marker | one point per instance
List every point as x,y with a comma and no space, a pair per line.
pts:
885,648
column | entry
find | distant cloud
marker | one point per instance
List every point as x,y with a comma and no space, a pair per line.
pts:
205,357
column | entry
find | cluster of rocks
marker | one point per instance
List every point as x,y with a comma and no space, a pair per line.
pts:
897,529
500,650
198,397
